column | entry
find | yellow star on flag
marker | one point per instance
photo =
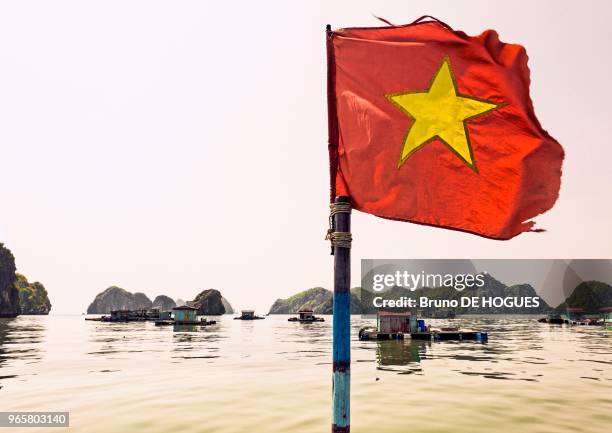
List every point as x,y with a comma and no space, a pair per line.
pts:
440,112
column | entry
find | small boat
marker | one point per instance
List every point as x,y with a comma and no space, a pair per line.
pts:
306,316
248,315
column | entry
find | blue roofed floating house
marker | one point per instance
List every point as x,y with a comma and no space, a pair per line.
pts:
184,315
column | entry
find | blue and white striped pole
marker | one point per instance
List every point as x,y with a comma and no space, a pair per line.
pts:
341,383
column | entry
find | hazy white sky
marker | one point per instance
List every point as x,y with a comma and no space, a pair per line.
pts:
169,147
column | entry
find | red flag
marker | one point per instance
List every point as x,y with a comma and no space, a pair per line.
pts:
432,126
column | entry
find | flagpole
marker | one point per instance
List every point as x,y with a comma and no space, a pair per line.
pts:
341,382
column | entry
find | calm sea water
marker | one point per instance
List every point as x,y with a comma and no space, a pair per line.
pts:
275,376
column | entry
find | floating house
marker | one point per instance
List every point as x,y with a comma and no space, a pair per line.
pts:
579,316
392,325
120,315
390,322
248,315
129,316
306,316
183,317
185,314
553,319
153,314
165,315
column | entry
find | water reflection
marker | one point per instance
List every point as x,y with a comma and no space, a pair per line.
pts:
402,352
186,328
123,339
249,372
4,331
20,342
114,338
408,354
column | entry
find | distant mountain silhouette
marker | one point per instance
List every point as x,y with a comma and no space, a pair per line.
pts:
590,296
116,298
318,299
